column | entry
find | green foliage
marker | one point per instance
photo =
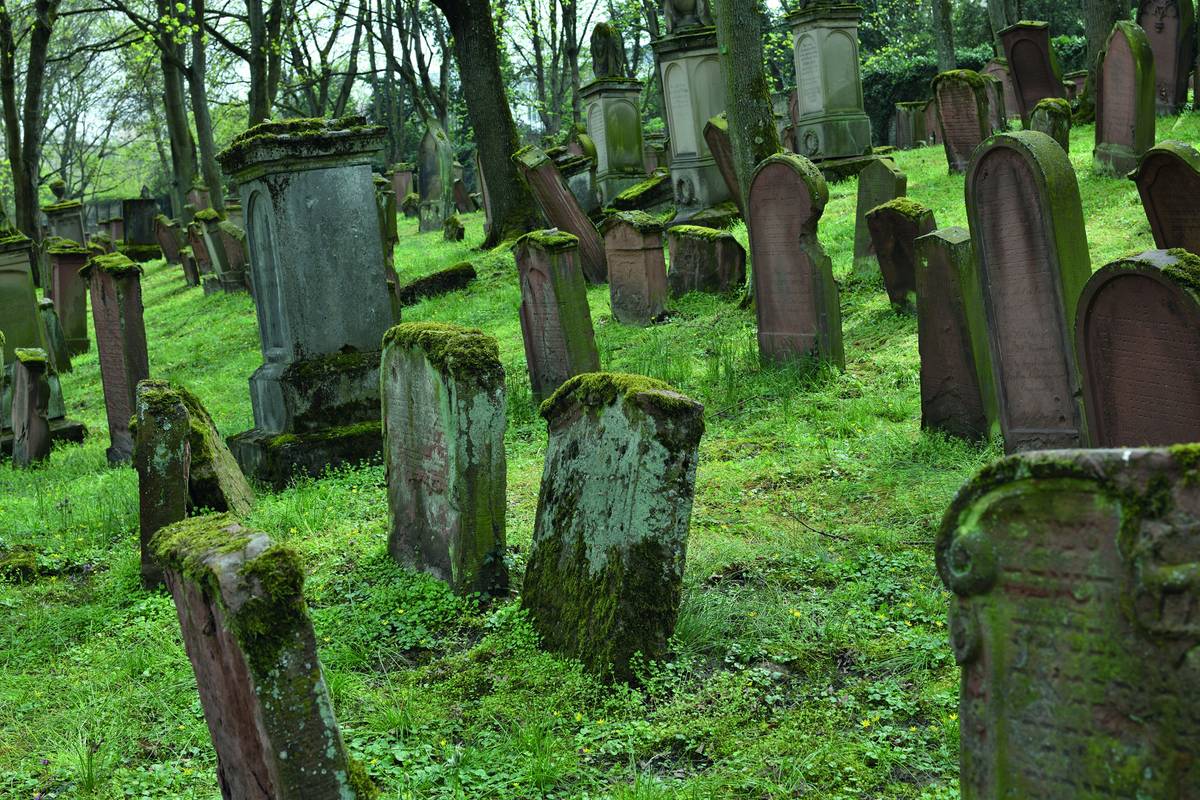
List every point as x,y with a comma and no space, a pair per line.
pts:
892,75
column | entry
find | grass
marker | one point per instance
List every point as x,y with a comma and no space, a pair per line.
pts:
811,656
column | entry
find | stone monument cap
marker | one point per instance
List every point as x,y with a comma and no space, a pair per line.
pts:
31,355
304,143
551,239
639,220
115,264
596,390
59,246
467,354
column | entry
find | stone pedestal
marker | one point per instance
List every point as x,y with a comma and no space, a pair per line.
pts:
31,397
614,123
831,121
65,220
67,258
320,293
637,271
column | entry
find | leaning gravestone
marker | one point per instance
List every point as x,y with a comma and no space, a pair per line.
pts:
1171,27
879,182
65,220
1052,116
964,114
31,399
997,115
240,602
895,227
56,340
1027,224
1124,100
435,178
1074,625
910,125
1168,180
637,271
309,198
956,369
562,210
795,296
70,290
606,565
1138,343
169,236
556,323
704,260
1032,65
716,134
443,430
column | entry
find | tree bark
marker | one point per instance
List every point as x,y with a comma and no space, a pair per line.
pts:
943,34
570,17
1002,14
179,134
199,97
1099,17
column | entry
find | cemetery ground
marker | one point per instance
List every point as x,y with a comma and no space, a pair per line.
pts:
811,655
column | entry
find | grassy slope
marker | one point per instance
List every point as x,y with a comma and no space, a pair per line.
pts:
811,655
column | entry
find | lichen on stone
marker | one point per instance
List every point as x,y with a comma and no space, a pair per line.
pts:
59,246
602,389
114,264
207,215
551,239
465,353
62,205
701,232
904,206
1055,105
31,355
638,220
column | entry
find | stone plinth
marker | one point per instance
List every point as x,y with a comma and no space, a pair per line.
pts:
31,399
562,210
1052,116
1171,28
1125,116
614,123
879,182
1032,65
1168,180
704,260
637,271
964,114
65,220
67,258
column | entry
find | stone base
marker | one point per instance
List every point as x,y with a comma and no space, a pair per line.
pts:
273,459
823,138
61,430
1114,160
835,170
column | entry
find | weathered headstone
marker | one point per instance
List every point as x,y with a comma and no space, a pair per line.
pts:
198,197
402,179
562,210
435,177
30,402
1074,625
796,298
964,114
310,203
1171,28
56,340
606,565
1032,65
879,182
443,426
169,236
637,271
556,323
998,69
1124,100
138,215
951,336
910,125
70,290
933,127
222,241
1075,83
463,203
65,220
485,198
1052,116
611,109
704,260
895,227
997,115
716,135
453,229
245,626
1031,248
195,237
191,271
1168,180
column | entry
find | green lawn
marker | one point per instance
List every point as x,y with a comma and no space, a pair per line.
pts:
810,659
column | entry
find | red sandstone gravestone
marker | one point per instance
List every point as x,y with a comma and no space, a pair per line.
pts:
637,271
1032,65
933,128
878,182
998,68
895,227
704,260
1168,179
1171,28
30,401
1124,100
716,134
70,291
562,210
964,114
169,237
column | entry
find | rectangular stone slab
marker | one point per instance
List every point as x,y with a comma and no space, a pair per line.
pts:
704,260
121,343
1171,27
637,270
562,210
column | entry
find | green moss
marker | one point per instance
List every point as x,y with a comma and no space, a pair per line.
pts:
11,237
327,367
63,205
967,76
269,621
639,220
465,353
818,189
531,156
360,782
602,389
700,232
185,545
114,264
20,564
232,230
629,197
58,246
1031,23
552,240
325,435
905,207
317,130
140,252
207,215
1058,106
1186,269
31,355
720,122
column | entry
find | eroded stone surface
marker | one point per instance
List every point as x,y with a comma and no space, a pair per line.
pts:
1052,116
1171,28
562,210
704,260
895,227
1125,117
879,182
964,114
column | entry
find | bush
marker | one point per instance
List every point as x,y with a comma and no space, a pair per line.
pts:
1071,52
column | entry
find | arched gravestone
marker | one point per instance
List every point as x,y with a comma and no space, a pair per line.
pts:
895,227
878,182
1138,342
1027,224
1032,65
1171,28
1074,624
1124,100
1168,179
964,114
1052,116
795,296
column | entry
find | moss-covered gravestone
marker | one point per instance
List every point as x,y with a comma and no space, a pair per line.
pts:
67,258
795,296
245,626
320,291
183,466
556,323
453,229
637,271
612,110
879,182
606,565
56,340
704,260
1125,115
1052,116
1074,625
191,271
716,135
1032,253
30,402
170,237
955,360
1138,343
562,210
895,227
964,114
65,220
443,426
138,214
1032,65
997,69
1171,28
435,178
1168,180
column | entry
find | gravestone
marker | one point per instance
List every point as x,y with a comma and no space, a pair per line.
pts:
1032,65
402,179
1052,116
956,370
1138,345
170,238
606,565
245,626
463,203
234,215
30,402
964,114
453,229
556,323
637,271
485,198
895,227
704,260
444,407
226,252
1168,180
716,135
385,206
796,298
1124,100
138,215
195,237
562,210
65,220
435,177
191,272
1073,625
910,125
70,290
1027,225
997,115
198,198
1075,83
831,121
56,340
998,68
115,228
611,108
933,127
879,182
116,295
1171,28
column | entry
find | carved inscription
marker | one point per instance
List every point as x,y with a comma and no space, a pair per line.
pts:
679,100
808,71
1171,48
1119,94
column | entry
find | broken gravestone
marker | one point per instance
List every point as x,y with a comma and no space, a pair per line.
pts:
1125,115
964,114
1171,28
895,227
444,406
796,298
637,271
1073,623
879,182
1168,180
716,135
562,210
606,564
1052,116
1032,65
704,260
30,401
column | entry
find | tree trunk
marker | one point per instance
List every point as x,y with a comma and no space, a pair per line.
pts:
1002,14
260,105
570,18
183,149
1099,17
943,34
478,54
204,132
